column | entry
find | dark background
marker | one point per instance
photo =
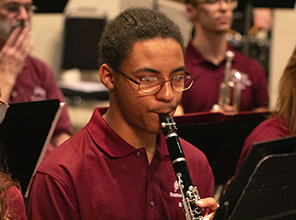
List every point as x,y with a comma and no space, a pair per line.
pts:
50,6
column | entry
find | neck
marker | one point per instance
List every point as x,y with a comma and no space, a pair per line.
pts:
133,136
212,46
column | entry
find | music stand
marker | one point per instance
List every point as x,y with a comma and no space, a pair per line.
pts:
220,137
82,32
264,187
25,134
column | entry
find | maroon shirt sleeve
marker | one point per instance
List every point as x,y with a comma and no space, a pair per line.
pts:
54,199
259,83
15,204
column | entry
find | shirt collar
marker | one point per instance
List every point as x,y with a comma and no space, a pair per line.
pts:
110,142
198,59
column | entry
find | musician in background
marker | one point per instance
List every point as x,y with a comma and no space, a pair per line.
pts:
283,120
205,58
12,204
24,78
118,166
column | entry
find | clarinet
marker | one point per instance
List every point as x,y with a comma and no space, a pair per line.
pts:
189,193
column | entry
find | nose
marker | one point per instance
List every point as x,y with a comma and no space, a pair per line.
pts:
23,14
166,93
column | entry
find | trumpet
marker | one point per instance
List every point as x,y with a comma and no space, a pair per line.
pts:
232,79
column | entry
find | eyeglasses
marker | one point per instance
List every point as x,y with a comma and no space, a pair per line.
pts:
3,109
152,84
211,2
15,7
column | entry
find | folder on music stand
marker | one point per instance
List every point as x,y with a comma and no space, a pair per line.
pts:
265,186
220,137
25,134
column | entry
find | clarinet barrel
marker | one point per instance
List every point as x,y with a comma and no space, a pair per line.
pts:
189,192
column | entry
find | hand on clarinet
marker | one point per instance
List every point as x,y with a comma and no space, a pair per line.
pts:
210,205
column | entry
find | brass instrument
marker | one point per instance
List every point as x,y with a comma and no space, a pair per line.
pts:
188,191
232,79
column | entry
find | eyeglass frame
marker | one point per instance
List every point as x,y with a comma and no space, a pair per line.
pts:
2,117
162,84
29,7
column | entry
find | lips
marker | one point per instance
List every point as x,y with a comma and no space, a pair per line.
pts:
164,111
223,19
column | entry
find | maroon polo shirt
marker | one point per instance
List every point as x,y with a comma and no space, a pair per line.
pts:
37,82
97,175
205,91
270,129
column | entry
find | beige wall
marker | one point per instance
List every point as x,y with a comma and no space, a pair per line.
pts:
46,34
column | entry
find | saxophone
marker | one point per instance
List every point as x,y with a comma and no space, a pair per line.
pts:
227,84
188,191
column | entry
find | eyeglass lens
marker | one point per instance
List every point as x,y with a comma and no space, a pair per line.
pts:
154,84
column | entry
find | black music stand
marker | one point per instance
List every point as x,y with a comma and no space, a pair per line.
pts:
219,137
81,37
25,134
265,186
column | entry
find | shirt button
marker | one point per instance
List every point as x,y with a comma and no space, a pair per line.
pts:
152,204
138,154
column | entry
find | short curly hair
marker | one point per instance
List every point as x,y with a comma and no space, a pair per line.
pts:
131,26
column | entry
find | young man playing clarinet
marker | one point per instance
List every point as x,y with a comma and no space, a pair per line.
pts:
118,166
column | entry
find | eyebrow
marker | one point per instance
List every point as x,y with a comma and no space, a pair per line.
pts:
147,69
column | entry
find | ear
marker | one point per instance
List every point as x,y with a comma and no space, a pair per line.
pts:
107,76
191,11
